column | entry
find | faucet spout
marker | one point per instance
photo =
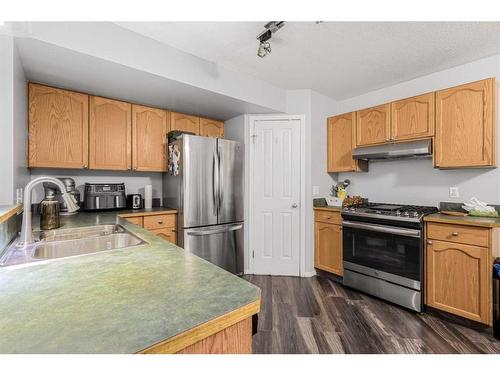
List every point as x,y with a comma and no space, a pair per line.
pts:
26,237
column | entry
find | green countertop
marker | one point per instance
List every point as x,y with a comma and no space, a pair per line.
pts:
119,301
477,221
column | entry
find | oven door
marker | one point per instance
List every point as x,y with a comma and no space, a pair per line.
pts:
391,253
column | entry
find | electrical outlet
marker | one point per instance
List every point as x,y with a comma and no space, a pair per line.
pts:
315,190
454,192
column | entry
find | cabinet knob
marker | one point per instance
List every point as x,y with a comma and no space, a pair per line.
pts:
160,222
454,234
429,242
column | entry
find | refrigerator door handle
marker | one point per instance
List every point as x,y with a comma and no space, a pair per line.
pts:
215,182
221,178
204,232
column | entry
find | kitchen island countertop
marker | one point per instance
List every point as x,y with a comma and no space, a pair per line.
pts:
118,301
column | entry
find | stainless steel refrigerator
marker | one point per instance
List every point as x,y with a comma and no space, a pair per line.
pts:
205,185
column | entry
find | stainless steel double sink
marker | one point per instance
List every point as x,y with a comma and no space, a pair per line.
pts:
62,243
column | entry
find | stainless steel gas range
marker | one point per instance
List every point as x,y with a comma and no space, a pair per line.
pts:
384,253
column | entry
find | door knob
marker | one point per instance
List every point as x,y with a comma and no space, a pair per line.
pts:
295,205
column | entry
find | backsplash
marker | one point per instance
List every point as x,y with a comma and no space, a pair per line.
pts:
134,181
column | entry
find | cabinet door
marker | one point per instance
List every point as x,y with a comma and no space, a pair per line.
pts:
466,125
110,135
413,118
187,123
58,128
149,139
211,128
373,125
340,142
458,279
328,248
166,233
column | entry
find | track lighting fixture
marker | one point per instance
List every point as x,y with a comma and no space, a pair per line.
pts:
264,37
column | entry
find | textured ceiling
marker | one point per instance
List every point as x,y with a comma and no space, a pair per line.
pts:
338,59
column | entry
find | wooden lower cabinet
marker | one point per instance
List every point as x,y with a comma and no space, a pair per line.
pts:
136,220
458,273
168,234
328,243
236,339
230,333
163,224
458,279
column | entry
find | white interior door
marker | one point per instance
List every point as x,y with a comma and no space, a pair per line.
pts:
275,232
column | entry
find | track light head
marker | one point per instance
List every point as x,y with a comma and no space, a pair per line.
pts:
264,37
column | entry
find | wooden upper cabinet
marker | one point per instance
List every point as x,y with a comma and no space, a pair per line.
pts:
373,125
211,128
149,139
340,142
187,123
466,125
413,118
58,128
458,279
110,134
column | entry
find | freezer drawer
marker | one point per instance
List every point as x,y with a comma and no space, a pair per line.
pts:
221,245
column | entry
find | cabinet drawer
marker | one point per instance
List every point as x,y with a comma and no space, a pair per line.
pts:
328,217
135,220
159,221
459,234
168,234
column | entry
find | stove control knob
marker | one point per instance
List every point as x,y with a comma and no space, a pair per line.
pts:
406,213
415,214
353,209
398,213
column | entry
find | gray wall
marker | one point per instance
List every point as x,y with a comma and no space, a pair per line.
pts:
13,121
416,181
6,118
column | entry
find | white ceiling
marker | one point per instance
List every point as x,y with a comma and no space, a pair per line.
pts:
338,59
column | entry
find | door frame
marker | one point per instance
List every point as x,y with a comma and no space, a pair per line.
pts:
302,188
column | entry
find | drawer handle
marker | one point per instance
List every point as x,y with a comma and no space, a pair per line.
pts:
160,222
454,234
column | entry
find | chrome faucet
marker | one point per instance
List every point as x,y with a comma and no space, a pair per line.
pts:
26,237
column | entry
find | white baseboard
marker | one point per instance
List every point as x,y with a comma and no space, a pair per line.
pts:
309,274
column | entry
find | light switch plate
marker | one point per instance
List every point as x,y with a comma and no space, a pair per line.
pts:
315,190
454,192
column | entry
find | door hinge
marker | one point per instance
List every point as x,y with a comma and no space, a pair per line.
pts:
253,253
253,136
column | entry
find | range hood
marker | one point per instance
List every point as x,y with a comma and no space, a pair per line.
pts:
413,149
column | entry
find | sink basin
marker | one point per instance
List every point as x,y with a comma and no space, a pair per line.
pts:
60,249
62,243
78,233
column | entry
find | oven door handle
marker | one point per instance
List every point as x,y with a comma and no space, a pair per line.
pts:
383,228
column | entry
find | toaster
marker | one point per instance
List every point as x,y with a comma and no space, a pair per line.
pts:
134,201
104,196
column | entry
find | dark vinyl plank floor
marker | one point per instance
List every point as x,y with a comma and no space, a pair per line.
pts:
318,315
